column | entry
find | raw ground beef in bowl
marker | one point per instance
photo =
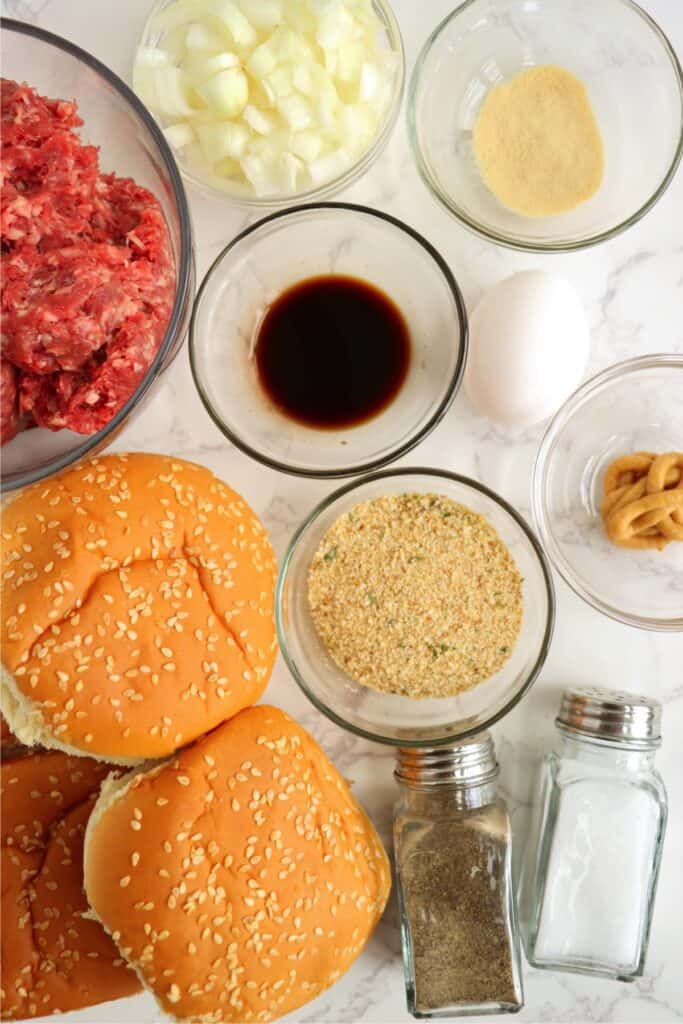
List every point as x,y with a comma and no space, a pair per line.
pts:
88,273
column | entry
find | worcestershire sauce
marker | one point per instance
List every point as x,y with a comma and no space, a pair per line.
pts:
332,351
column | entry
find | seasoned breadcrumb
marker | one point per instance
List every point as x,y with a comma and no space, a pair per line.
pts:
415,594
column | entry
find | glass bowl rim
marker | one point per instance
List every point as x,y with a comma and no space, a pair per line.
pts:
616,372
347,177
438,474
510,241
185,262
413,440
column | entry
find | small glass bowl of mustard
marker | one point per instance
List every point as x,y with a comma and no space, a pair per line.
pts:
631,407
628,68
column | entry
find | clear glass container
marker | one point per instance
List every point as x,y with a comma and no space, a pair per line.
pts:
282,250
453,865
391,718
589,876
628,68
633,406
390,41
131,144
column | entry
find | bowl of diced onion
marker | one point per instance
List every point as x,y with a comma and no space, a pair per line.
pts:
269,101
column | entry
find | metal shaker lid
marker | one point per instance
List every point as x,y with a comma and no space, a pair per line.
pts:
627,719
469,763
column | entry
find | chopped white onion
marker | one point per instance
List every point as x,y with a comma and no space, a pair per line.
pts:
170,88
262,60
291,168
350,59
371,79
227,167
267,97
330,166
227,92
201,67
263,14
175,43
297,112
307,145
232,18
223,139
331,61
179,135
302,79
279,82
300,18
327,103
335,26
260,175
199,38
292,47
270,148
357,124
257,119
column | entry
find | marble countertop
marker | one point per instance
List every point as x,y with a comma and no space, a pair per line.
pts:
632,288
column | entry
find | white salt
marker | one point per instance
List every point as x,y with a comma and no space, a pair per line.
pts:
597,883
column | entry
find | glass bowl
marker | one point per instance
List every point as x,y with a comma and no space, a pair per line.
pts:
629,69
389,718
633,406
131,144
394,44
303,242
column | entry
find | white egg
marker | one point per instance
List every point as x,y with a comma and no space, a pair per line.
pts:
529,344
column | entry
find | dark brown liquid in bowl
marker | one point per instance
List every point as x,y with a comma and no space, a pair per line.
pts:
332,351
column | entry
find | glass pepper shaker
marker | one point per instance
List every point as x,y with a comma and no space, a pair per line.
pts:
453,864
589,875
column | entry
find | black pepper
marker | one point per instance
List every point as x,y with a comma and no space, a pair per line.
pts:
456,908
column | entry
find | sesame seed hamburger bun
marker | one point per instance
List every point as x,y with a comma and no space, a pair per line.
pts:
240,879
137,596
8,741
51,959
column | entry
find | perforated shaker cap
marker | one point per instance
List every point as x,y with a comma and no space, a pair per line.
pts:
628,719
470,763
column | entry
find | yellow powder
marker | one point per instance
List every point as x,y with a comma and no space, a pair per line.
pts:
538,144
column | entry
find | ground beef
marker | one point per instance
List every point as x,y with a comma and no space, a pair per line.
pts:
9,409
88,274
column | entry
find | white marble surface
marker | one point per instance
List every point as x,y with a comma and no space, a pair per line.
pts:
633,291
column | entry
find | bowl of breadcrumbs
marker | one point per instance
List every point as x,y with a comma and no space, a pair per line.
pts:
414,607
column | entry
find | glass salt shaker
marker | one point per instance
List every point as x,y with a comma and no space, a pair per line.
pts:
589,875
453,863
